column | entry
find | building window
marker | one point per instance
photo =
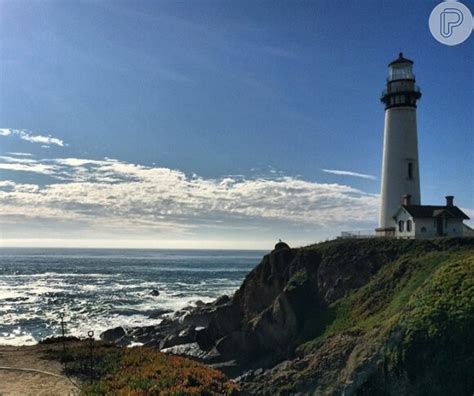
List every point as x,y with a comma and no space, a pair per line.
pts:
423,229
408,225
410,170
401,226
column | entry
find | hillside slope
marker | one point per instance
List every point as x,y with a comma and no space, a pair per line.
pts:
352,317
364,317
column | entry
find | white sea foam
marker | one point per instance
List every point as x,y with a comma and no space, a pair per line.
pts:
92,298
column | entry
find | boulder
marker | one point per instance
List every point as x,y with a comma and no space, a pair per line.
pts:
193,351
225,299
185,336
113,335
158,313
203,339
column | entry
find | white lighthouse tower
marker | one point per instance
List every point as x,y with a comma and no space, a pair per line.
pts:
400,169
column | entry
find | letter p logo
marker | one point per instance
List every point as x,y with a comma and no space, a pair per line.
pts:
449,19
451,22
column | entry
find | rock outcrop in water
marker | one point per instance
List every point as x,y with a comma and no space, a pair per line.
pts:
355,317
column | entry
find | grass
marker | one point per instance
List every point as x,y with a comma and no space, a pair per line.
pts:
417,311
437,323
379,304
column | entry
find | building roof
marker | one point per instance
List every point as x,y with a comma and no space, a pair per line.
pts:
425,211
400,59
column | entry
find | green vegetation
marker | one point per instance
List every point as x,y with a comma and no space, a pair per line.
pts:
418,310
142,371
379,304
438,323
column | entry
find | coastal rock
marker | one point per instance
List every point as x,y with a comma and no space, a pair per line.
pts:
193,350
185,336
155,293
231,368
158,313
225,299
113,335
203,339
202,314
155,335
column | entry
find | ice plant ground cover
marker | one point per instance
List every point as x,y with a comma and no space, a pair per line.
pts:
140,371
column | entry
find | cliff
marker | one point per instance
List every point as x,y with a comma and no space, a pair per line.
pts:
368,317
355,317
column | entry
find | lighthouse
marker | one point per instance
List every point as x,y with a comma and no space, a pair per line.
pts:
400,165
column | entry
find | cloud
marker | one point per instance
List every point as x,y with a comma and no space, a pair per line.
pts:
5,132
470,214
349,173
111,196
7,183
20,160
26,165
29,137
21,154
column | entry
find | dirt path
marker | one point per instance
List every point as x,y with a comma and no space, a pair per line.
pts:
25,371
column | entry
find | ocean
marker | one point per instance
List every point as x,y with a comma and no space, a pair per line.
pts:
98,289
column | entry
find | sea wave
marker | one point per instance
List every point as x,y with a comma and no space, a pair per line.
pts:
101,290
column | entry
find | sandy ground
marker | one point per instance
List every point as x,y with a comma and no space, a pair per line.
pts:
40,376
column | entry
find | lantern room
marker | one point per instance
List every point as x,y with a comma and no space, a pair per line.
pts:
400,69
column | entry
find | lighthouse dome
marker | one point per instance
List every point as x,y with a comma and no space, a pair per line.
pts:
401,59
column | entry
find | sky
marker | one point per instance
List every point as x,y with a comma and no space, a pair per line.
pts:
216,124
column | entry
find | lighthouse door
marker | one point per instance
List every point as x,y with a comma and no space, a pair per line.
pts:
439,226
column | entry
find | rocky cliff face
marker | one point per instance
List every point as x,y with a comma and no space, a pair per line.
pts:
373,317
354,317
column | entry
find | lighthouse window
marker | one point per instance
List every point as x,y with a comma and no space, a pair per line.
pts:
408,225
410,170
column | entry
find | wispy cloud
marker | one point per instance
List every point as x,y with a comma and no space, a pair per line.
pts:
28,167
470,213
114,195
21,154
349,173
29,137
